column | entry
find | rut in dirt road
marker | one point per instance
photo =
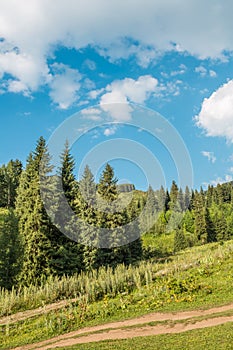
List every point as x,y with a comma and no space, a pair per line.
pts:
115,330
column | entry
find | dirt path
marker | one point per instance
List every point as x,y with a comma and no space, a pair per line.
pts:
115,330
20,316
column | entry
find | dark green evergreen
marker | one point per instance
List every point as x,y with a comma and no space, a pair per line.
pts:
89,215
180,241
10,251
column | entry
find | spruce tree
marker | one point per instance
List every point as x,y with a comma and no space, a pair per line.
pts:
173,195
180,241
161,199
222,233
111,218
88,214
187,198
34,225
201,232
150,212
67,253
10,251
9,181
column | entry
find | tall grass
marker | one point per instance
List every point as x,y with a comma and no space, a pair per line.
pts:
94,285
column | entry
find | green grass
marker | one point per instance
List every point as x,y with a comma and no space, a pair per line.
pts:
200,277
214,338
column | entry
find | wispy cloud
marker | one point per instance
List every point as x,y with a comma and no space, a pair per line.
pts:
210,155
204,72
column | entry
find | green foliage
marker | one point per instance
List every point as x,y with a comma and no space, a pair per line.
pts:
66,255
86,204
173,195
9,181
34,226
10,251
114,219
180,241
198,278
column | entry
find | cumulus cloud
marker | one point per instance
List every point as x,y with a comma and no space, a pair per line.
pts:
120,92
64,84
210,155
32,30
29,72
216,115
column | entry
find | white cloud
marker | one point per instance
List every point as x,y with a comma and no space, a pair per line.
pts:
90,111
114,98
120,92
110,131
204,91
90,64
210,155
64,84
216,115
219,180
29,71
201,70
91,114
88,84
17,86
212,73
37,27
182,70
205,72
168,89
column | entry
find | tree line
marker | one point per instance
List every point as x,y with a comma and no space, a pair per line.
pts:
32,248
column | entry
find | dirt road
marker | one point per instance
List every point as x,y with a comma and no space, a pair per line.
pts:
139,327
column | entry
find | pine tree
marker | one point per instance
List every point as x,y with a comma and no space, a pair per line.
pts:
180,204
211,233
9,181
10,251
34,225
180,241
150,212
173,195
88,214
161,196
219,195
222,233
67,253
3,187
199,218
70,185
111,218
188,222
209,196
187,198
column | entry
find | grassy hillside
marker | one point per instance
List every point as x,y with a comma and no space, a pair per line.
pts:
198,277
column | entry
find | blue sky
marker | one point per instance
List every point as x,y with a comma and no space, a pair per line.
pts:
173,57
